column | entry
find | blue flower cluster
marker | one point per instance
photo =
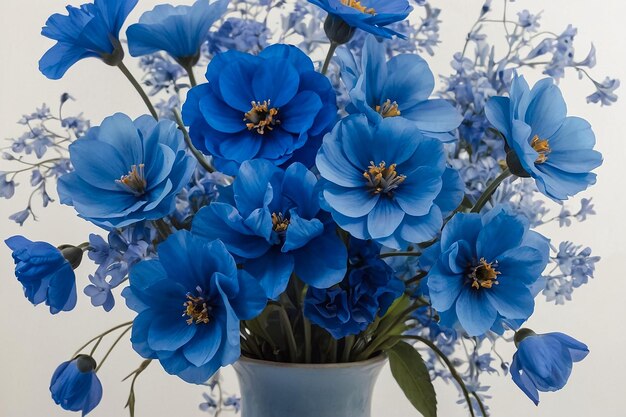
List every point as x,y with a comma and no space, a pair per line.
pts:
281,208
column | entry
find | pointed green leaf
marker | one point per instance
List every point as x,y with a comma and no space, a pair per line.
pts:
409,370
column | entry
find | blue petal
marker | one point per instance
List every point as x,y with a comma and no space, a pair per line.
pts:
170,332
323,262
476,314
300,231
351,202
546,110
410,81
220,116
416,194
384,218
523,381
272,270
443,288
204,344
265,86
435,115
55,63
298,115
503,232
251,299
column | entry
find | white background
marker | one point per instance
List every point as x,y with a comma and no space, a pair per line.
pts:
33,343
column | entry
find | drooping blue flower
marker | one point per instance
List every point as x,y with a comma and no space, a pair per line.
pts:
556,150
89,31
398,88
369,15
75,385
274,227
44,273
387,182
264,106
485,269
189,303
544,362
126,172
367,292
179,31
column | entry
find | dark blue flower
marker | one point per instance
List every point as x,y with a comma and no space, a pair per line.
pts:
556,150
398,88
544,362
189,304
127,171
75,385
179,31
274,226
387,182
44,273
369,15
89,31
367,292
264,106
485,268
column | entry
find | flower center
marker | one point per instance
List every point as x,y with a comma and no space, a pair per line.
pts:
197,310
135,180
542,147
388,109
382,178
279,223
484,275
261,116
355,4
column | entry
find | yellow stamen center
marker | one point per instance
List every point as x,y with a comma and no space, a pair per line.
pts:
135,180
355,4
196,309
484,275
388,109
382,178
261,116
279,223
542,147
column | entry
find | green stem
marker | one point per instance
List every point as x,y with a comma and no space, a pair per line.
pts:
399,253
196,153
450,366
307,340
139,89
347,348
480,404
333,350
486,195
101,335
106,355
291,340
329,56
192,77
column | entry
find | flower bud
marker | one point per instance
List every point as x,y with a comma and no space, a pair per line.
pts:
337,30
72,254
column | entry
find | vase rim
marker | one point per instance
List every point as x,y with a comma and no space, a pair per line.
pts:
375,360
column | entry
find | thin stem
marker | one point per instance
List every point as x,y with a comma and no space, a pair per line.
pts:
399,253
486,195
480,403
192,77
450,366
139,89
111,330
307,339
196,153
329,56
106,355
347,348
333,350
291,340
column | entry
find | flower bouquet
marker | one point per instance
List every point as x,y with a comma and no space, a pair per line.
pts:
308,219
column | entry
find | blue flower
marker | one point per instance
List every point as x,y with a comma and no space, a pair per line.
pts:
44,273
127,171
75,385
189,304
544,362
557,151
387,182
89,31
398,88
242,35
274,227
367,292
264,106
485,268
179,31
369,15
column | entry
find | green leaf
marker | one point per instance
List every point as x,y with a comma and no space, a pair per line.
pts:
409,370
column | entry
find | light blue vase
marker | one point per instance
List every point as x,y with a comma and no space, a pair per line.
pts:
270,389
